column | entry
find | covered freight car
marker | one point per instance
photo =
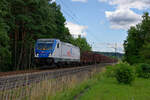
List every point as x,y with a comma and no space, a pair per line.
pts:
49,51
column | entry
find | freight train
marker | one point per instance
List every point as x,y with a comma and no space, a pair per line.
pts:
54,51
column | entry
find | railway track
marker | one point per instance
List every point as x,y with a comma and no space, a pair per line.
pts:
14,81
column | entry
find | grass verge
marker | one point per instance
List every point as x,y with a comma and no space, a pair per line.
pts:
103,88
109,89
77,91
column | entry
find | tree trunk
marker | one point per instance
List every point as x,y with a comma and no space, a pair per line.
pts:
15,45
30,56
22,49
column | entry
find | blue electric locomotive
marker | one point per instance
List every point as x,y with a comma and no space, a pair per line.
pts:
49,51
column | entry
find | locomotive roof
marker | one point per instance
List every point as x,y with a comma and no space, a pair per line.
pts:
52,40
46,40
69,44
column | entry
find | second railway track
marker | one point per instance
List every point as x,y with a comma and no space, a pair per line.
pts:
14,81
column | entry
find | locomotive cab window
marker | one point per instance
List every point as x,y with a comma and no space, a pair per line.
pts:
58,45
44,46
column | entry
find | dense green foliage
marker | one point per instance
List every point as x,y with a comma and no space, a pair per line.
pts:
124,73
143,70
22,22
81,43
137,45
5,55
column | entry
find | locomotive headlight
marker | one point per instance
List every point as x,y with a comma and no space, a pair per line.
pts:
37,55
50,54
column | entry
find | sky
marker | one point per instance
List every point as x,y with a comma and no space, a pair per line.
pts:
104,23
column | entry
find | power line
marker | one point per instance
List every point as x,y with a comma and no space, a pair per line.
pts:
115,47
70,13
68,8
74,17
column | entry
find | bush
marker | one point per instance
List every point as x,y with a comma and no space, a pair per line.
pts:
110,71
124,73
143,70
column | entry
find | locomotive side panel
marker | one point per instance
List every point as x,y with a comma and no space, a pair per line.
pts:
70,52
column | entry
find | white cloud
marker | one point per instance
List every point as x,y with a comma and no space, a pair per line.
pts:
123,17
108,47
76,29
102,0
137,4
53,1
79,0
118,46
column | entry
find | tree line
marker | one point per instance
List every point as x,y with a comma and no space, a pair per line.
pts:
22,22
137,44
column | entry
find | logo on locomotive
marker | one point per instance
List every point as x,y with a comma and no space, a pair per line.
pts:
69,53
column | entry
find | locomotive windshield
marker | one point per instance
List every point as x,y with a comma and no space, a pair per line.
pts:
44,46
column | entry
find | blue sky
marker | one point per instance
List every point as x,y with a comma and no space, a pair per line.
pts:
103,22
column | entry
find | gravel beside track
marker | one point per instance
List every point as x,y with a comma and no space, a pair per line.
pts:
14,81
17,72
